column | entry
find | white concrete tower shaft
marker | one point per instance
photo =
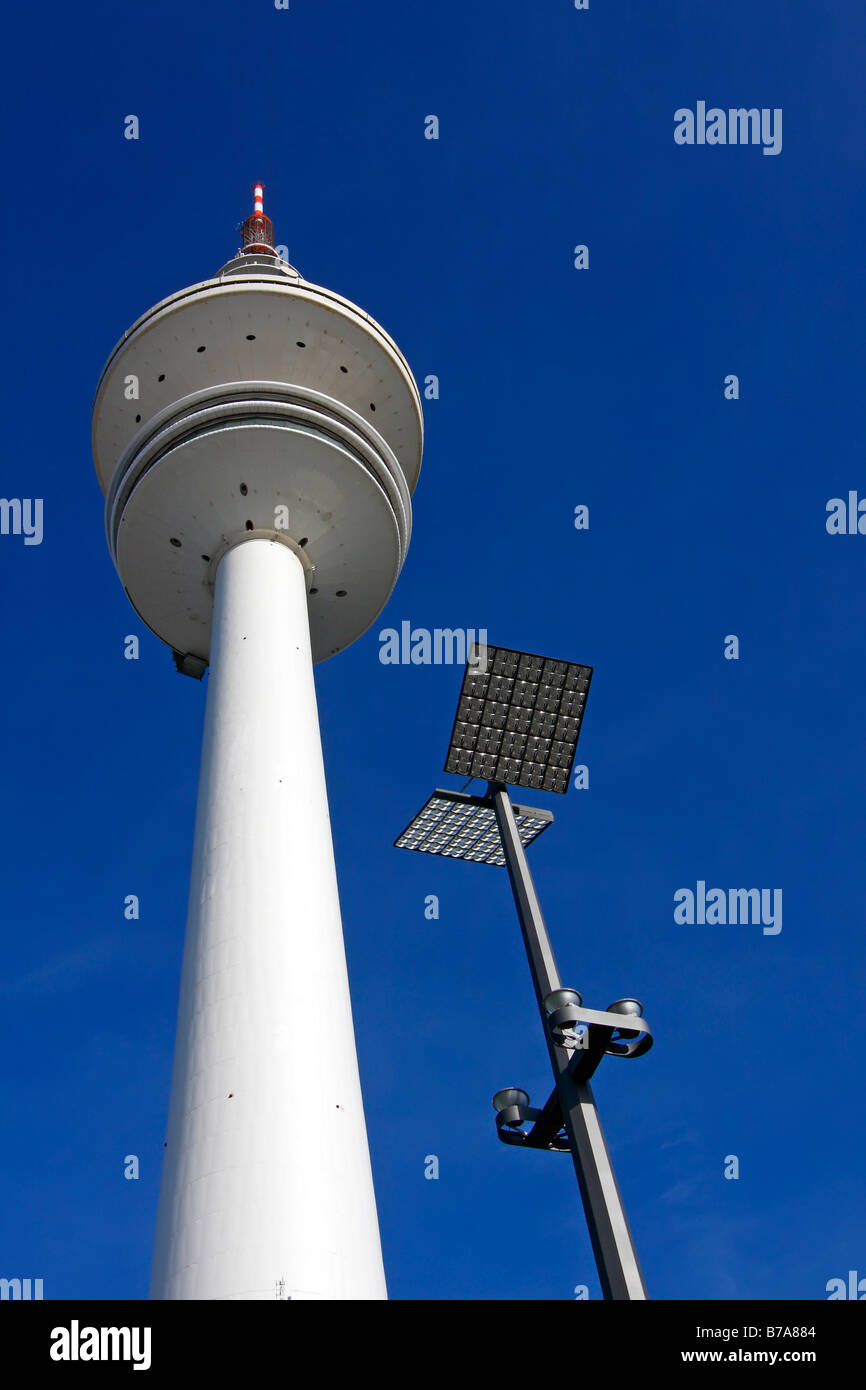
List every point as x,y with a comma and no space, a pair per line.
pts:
266,1180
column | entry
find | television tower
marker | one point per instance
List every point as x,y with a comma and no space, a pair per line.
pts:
257,438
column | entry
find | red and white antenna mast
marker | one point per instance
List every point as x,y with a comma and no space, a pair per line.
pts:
257,231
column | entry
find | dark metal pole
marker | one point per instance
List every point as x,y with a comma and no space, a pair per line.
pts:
612,1242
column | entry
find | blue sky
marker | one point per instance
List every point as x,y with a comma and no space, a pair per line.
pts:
559,387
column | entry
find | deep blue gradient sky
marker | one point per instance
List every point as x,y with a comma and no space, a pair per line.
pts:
558,387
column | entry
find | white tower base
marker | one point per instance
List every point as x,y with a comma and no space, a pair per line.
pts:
266,1189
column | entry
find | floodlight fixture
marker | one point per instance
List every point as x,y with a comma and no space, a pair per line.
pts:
187,664
626,1006
512,1095
518,718
631,1007
459,826
563,1007
562,999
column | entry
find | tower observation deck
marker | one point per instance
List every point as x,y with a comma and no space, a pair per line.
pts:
252,399
258,439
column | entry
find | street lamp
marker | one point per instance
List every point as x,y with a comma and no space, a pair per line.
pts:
518,721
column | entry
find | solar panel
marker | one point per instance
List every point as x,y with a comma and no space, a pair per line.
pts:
458,826
518,718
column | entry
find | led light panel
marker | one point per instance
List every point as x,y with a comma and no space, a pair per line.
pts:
464,827
518,718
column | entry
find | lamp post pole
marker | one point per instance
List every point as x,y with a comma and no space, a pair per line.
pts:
612,1242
